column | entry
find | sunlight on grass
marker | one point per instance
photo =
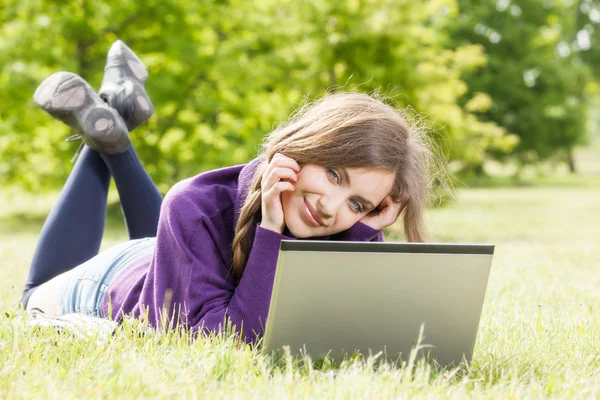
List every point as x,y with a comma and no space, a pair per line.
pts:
538,336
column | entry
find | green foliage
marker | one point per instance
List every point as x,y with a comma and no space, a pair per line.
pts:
535,75
224,73
219,84
587,19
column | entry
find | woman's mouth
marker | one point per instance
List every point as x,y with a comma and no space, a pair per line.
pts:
311,215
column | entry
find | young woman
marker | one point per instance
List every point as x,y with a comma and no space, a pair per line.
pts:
343,168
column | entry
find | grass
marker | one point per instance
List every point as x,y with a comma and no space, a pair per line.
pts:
539,334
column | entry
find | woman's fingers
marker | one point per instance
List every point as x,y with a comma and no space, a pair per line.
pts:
275,190
281,161
277,174
390,211
280,167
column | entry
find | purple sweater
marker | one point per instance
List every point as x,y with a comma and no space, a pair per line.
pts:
190,269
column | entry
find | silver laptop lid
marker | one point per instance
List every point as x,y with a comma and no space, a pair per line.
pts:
332,298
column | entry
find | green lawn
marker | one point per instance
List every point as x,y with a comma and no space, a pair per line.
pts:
539,334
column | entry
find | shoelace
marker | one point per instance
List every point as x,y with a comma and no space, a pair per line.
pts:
72,139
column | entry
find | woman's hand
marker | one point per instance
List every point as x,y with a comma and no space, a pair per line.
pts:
280,175
388,213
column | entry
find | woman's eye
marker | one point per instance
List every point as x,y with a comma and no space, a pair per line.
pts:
333,174
357,206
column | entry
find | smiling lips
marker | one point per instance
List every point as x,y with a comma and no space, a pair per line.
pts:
312,216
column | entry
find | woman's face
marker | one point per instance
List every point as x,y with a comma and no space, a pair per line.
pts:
331,200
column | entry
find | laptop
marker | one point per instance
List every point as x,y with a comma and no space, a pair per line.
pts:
335,299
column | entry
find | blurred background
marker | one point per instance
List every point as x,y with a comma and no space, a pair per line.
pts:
507,88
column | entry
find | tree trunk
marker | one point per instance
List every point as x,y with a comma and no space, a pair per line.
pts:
571,161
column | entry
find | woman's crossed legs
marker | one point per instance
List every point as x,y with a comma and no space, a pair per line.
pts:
72,232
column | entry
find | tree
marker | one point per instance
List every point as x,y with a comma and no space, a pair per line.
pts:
534,76
223,73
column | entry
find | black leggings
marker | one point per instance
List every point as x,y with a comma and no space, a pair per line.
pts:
73,230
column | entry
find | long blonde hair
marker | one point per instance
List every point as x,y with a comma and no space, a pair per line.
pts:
349,130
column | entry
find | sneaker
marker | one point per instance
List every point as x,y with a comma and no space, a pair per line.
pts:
123,85
69,98
81,326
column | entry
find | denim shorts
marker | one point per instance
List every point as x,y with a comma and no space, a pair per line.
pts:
84,286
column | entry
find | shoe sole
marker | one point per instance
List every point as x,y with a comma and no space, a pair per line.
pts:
69,98
125,71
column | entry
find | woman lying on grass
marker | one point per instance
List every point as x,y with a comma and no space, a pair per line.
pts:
343,168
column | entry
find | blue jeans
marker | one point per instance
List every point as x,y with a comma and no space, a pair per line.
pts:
85,285
73,231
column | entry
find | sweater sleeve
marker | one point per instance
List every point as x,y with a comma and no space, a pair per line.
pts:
249,306
191,279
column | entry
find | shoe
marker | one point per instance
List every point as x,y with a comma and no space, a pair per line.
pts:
123,85
81,326
69,98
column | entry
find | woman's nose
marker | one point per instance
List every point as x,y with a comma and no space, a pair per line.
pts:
328,205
